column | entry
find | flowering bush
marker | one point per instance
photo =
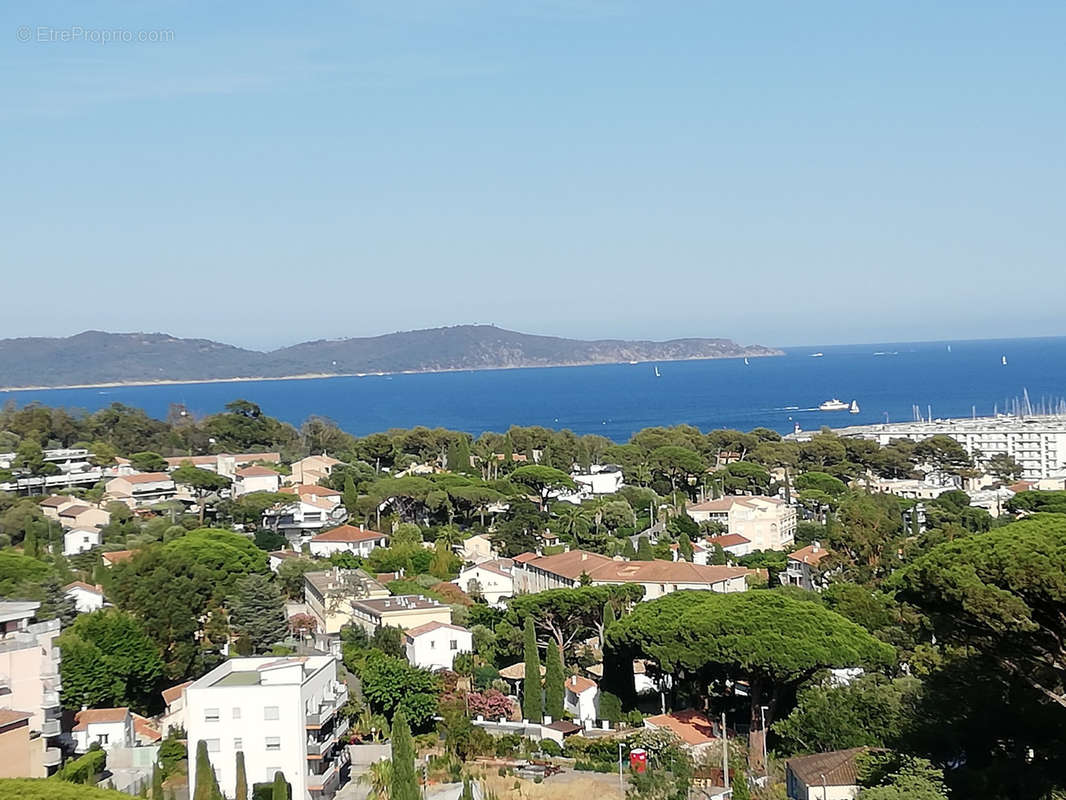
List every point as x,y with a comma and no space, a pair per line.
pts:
490,704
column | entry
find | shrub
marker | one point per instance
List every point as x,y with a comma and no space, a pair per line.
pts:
81,769
550,747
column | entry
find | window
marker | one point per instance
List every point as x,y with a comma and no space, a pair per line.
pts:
213,745
102,738
238,744
273,743
237,713
270,712
210,715
453,645
432,645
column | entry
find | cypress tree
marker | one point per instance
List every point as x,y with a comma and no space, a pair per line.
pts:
241,791
157,782
644,551
532,701
608,616
459,456
281,787
350,497
553,682
206,787
508,450
628,550
403,784
684,547
29,544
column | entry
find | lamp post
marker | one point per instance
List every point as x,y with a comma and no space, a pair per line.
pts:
621,781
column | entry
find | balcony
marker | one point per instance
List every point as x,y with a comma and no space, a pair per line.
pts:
325,782
318,748
325,711
51,727
50,700
53,757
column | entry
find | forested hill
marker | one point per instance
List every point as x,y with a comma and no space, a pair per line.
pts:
97,357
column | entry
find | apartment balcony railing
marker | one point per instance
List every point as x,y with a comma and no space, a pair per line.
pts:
53,757
325,710
50,700
317,748
51,727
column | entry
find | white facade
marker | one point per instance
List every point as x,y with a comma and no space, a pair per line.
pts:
1037,443
491,579
346,539
769,523
281,713
109,727
435,645
582,698
86,598
303,516
253,479
80,540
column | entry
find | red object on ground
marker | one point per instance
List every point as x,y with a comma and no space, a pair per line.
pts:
638,759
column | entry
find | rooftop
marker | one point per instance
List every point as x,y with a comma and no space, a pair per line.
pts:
835,768
348,533
241,672
90,716
404,602
429,627
256,471
334,580
148,477
600,568
811,554
691,727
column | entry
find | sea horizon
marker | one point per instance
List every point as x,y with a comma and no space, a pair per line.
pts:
948,377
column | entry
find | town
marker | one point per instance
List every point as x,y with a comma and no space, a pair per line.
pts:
233,607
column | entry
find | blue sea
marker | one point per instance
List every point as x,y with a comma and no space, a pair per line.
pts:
887,380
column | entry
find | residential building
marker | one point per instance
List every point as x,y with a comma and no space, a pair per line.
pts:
435,645
29,679
145,732
79,515
141,489
275,558
303,517
346,539
565,570
733,543
1037,443
18,751
696,733
87,598
108,727
803,567
282,713
306,490
477,548
912,489
405,611
823,776
51,506
582,698
330,594
769,523
225,464
115,557
490,579
174,708
313,469
255,478
80,540
598,481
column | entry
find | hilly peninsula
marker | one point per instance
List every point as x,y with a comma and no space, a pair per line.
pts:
97,358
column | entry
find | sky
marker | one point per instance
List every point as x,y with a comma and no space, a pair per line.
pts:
777,173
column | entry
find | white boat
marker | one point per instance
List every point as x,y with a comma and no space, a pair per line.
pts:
745,362
817,355
657,375
854,407
1004,361
834,405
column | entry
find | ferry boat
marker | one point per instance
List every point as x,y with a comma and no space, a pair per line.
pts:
834,405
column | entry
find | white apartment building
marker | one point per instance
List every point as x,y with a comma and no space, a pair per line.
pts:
346,539
1038,443
282,713
29,679
108,727
769,523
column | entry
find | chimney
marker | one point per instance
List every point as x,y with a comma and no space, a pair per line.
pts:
584,556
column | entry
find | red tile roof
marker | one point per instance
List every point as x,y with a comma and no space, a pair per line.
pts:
73,511
116,556
835,768
429,627
57,500
86,586
811,554
145,729
309,488
348,533
600,568
728,540
255,471
577,684
174,692
148,477
691,727
83,719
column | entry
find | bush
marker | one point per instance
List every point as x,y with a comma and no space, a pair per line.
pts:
81,769
51,789
507,745
265,791
550,747
610,707
171,754
635,719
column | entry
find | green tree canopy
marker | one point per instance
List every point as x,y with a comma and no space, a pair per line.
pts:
542,480
568,615
258,611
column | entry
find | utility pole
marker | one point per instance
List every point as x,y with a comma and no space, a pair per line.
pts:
621,780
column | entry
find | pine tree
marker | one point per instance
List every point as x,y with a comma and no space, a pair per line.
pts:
157,782
553,682
404,783
241,791
644,551
350,496
257,611
628,550
684,547
281,787
532,700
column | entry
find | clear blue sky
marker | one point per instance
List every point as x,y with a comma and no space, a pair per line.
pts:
773,172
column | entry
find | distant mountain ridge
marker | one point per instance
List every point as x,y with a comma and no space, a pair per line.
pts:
97,357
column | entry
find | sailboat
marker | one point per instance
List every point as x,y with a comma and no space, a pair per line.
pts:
746,362
949,348
854,407
657,375
1003,361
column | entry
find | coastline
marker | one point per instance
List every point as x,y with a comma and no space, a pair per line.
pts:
321,375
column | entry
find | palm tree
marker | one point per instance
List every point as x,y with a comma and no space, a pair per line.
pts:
571,517
378,778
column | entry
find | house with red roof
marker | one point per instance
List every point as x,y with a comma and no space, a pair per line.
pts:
805,569
769,523
582,698
346,539
109,727
87,597
733,543
695,731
